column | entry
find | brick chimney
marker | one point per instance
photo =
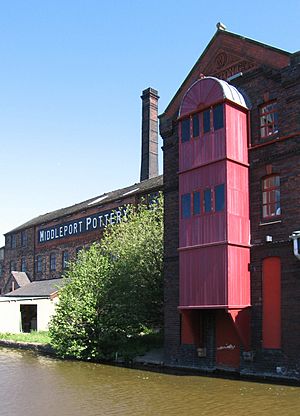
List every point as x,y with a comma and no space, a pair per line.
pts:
149,165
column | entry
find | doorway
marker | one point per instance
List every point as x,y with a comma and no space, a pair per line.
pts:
28,317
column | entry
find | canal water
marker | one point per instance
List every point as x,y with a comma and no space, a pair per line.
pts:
33,385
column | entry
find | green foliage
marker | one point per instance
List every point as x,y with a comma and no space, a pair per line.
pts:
115,289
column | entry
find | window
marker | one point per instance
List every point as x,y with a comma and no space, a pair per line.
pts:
268,120
13,241
218,117
12,266
207,200
65,259
185,130
23,239
78,249
52,262
196,203
271,196
1,269
219,197
206,121
39,264
23,264
196,129
186,206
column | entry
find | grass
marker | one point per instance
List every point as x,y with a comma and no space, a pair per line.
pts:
34,336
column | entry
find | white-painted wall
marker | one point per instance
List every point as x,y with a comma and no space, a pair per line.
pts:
10,315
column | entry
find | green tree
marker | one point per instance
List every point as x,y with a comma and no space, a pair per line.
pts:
114,290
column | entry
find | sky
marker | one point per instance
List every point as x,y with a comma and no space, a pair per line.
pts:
72,72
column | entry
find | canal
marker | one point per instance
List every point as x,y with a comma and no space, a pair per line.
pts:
34,385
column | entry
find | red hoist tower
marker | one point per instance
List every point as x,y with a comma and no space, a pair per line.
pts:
214,226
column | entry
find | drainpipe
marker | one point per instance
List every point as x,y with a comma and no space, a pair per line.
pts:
296,237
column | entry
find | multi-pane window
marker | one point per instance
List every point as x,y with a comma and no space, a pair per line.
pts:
13,241
65,259
23,264
186,206
12,266
52,262
39,264
23,239
271,196
268,120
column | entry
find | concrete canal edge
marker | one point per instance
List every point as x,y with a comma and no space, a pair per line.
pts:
153,361
33,346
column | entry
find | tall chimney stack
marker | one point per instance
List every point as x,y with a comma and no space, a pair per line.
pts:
149,165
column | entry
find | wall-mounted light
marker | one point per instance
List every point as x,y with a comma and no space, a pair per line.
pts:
296,242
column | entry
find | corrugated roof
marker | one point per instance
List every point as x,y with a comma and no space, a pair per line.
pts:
137,188
38,288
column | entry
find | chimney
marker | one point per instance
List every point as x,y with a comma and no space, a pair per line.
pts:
149,165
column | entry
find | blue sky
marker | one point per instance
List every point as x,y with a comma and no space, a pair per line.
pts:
72,73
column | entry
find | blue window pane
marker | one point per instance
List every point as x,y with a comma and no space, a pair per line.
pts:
195,125
186,206
206,121
185,130
220,197
197,206
218,117
207,200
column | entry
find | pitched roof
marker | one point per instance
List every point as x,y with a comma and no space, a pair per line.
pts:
21,278
137,188
231,47
38,288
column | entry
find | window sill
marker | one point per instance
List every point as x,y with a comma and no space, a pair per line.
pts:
270,222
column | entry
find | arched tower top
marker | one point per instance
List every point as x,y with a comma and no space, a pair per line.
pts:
207,91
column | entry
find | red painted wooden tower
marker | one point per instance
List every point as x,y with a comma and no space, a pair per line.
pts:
214,233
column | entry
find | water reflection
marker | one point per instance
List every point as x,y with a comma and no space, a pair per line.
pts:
36,385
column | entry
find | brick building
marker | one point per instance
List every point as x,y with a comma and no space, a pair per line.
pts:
231,177
42,247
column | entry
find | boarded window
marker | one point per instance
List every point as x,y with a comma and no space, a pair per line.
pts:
271,288
186,206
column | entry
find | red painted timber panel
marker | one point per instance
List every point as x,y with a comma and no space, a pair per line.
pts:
205,149
236,134
238,277
203,276
204,93
238,218
271,302
227,341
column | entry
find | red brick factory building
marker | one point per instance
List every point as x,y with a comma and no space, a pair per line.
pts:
231,142
42,247
231,138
